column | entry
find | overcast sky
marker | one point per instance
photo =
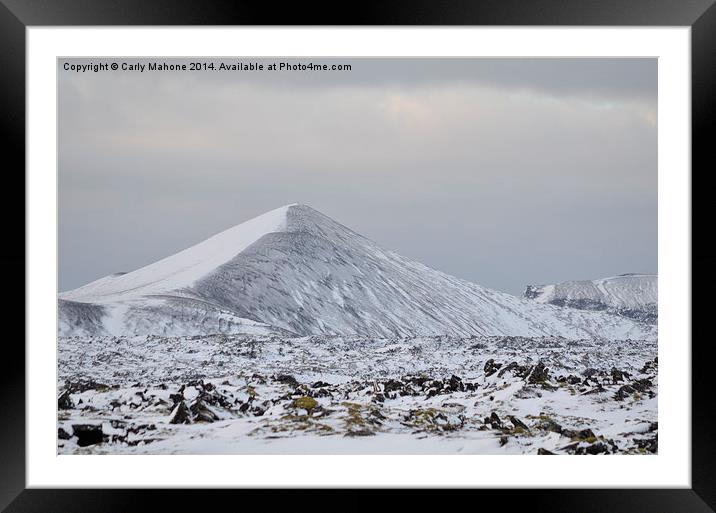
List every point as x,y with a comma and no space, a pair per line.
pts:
505,172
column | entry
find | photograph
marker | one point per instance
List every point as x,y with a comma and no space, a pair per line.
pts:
357,255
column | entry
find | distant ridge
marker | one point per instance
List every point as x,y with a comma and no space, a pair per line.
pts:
631,295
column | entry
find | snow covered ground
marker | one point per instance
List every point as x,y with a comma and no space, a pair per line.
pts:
320,394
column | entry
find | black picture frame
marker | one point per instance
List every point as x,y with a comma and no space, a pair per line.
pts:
17,15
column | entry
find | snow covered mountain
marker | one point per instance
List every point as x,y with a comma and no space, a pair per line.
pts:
296,271
629,295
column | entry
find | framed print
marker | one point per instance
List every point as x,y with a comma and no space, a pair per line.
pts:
419,251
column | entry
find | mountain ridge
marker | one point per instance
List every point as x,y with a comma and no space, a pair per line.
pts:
296,271
632,295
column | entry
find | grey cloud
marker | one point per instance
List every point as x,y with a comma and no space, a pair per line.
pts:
598,77
503,172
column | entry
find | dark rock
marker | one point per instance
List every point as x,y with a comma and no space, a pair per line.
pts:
547,424
595,448
596,390
202,413
258,377
642,385
456,384
64,402
62,434
515,369
433,392
544,452
196,383
570,448
214,398
82,385
624,392
360,432
180,414
539,374
517,423
494,421
286,380
320,384
619,375
582,434
322,392
650,366
419,381
491,367
648,444
141,428
588,373
176,398
393,385
377,414
503,440
320,411
88,434
532,291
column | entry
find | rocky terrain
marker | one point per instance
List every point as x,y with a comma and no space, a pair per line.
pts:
275,394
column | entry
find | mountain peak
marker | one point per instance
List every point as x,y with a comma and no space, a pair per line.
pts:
294,269
184,268
304,209
295,212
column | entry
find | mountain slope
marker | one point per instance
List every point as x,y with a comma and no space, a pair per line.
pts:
629,295
295,270
184,268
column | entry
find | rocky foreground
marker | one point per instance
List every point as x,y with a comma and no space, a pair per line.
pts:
227,394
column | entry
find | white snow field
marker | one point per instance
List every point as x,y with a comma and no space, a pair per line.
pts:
241,394
296,271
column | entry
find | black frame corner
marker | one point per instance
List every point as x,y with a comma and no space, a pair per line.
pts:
17,15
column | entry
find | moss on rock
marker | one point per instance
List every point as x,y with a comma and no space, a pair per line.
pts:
305,402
